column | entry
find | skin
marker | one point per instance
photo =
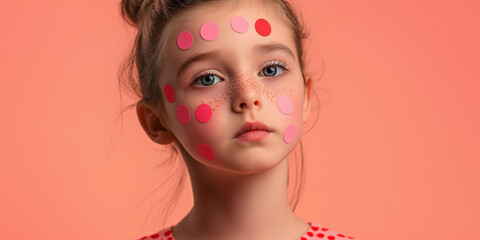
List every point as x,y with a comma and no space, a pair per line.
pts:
242,193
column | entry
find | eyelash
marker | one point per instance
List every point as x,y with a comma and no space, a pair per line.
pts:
280,64
204,74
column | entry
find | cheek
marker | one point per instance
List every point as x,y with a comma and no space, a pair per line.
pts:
203,126
290,107
198,128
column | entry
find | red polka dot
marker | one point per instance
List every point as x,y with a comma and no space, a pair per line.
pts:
184,40
320,235
169,238
203,113
310,234
168,233
350,237
206,151
263,27
183,114
155,235
331,237
143,238
324,229
340,235
314,228
169,93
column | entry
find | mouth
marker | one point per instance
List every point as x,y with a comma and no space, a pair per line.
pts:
252,132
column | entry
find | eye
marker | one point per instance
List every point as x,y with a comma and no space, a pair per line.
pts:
273,69
207,79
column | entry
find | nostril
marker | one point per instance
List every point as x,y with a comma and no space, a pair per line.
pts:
256,103
242,105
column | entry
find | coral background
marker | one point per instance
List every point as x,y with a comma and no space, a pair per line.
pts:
395,153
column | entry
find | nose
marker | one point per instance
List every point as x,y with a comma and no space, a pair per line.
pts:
247,98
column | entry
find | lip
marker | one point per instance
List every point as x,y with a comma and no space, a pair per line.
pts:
252,132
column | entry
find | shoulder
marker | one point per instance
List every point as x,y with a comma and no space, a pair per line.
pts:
318,231
164,234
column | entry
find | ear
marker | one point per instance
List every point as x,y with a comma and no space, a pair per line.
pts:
151,122
307,102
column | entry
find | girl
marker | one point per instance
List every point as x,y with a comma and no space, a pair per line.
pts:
223,82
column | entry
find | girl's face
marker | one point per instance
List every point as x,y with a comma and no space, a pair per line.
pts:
234,92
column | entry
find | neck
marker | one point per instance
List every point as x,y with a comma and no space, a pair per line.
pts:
246,206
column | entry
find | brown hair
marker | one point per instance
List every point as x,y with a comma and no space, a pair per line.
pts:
140,70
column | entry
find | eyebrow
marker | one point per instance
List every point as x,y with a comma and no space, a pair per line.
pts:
197,58
267,48
260,48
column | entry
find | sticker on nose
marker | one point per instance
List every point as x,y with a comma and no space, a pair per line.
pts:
285,104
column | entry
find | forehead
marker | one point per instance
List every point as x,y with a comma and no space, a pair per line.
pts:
221,14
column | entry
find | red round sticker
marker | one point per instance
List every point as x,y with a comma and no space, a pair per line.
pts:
263,27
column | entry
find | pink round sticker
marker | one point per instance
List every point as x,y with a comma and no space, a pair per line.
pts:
203,113
239,24
169,93
285,104
209,31
183,114
206,151
289,134
185,40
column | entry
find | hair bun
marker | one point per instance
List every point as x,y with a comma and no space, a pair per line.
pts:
130,10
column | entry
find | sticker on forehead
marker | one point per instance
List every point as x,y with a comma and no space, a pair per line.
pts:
285,104
185,40
183,114
239,24
206,151
169,93
263,27
209,31
289,134
203,113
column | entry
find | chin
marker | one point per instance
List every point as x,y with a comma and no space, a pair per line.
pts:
250,163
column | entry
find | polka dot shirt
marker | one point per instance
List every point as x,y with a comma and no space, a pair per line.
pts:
314,232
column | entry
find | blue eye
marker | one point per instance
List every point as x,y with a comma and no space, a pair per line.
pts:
273,69
207,79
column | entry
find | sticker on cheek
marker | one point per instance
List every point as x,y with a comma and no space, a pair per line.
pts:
289,134
285,104
206,151
239,24
263,27
169,93
209,31
203,113
185,40
183,114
